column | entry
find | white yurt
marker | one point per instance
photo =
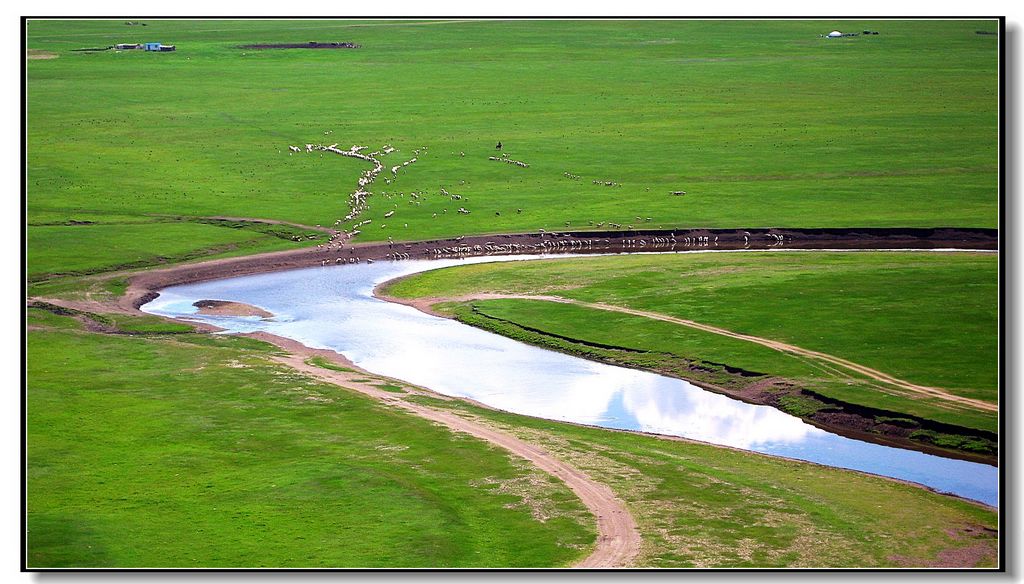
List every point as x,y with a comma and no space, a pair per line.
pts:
834,34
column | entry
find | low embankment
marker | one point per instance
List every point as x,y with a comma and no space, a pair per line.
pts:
143,285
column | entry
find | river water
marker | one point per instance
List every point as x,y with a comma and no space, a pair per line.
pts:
332,307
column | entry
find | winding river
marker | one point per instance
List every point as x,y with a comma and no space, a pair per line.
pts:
332,307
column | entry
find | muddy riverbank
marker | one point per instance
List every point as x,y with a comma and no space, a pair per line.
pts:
144,284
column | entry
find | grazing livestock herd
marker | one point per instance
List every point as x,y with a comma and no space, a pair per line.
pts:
506,159
359,202
566,242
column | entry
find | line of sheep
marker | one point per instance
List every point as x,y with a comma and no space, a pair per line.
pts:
359,198
351,260
560,242
567,244
504,158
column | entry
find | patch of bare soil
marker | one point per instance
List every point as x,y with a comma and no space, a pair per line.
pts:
86,305
228,308
33,54
982,543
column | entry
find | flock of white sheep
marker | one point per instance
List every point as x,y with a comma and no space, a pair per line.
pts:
504,158
359,201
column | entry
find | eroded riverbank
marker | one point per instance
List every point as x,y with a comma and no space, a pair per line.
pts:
143,285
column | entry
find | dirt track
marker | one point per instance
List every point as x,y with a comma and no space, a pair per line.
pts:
924,390
424,305
852,421
618,540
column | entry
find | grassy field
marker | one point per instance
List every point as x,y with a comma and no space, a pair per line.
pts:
195,451
930,318
762,123
179,449
702,506
89,249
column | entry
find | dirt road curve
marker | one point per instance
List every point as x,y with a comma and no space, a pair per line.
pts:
924,390
618,540
785,347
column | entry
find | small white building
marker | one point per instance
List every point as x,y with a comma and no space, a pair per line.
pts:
834,34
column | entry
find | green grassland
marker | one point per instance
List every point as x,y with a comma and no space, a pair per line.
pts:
168,448
195,451
698,505
59,250
763,123
929,318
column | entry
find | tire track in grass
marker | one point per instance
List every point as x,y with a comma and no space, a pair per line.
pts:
933,392
424,304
